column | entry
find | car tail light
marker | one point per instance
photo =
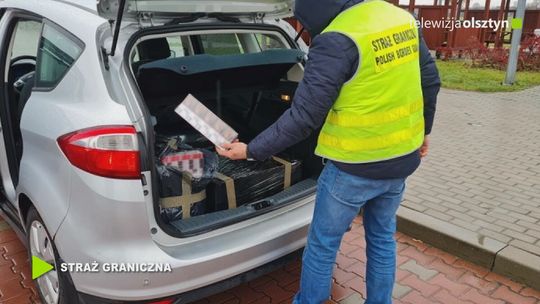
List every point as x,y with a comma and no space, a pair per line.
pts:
166,301
109,151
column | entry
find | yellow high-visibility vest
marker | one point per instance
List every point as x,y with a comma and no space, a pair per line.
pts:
378,114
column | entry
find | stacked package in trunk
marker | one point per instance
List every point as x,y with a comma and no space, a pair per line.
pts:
184,174
240,182
195,181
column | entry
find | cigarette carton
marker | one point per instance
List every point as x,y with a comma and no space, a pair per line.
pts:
205,121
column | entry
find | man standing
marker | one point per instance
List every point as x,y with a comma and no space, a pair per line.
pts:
371,80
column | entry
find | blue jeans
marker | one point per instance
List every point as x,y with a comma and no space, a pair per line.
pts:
339,198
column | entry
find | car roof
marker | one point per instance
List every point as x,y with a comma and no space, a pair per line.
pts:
88,5
83,20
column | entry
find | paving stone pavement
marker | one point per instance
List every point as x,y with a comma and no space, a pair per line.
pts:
16,286
425,275
483,171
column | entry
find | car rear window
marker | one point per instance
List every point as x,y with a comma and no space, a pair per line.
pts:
26,38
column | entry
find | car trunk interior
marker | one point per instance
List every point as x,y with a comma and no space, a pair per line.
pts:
248,90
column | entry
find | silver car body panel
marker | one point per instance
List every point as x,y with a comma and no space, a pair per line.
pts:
113,237
78,102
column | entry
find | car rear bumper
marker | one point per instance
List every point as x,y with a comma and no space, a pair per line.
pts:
195,262
203,292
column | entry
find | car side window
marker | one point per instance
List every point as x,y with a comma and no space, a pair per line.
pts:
269,42
58,51
25,39
239,43
221,44
177,48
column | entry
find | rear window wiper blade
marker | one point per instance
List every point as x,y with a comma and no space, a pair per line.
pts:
186,19
224,17
196,16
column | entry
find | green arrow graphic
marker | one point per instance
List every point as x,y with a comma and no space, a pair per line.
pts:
39,267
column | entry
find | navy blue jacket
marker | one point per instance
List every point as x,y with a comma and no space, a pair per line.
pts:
333,59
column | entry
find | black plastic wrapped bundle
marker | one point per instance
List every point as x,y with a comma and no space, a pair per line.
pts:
193,140
173,183
252,181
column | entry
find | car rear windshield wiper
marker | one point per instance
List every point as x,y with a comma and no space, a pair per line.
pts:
224,17
186,19
195,17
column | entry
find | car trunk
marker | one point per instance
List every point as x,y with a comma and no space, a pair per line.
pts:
247,88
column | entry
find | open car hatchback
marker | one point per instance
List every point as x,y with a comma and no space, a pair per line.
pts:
98,167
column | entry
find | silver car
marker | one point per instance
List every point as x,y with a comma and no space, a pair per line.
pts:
89,90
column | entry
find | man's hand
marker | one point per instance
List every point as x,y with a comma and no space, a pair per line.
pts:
424,149
234,151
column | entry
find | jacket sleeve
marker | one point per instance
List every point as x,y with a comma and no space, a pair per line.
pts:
332,60
431,84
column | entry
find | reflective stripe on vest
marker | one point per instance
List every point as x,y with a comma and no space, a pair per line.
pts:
378,114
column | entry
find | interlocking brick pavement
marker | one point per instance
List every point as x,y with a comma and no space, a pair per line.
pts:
16,286
483,171
425,275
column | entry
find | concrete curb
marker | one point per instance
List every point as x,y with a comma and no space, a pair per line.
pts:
499,257
520,265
